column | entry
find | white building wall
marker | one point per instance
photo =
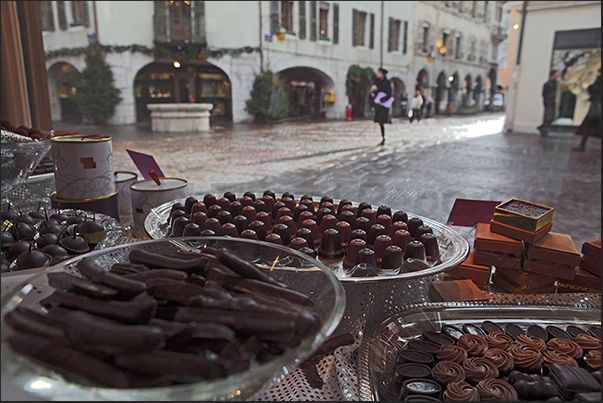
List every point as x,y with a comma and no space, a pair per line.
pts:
123,23
525,99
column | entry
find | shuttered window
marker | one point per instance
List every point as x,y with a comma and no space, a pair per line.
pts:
302,20
313,22
335,23
372,32
47,16
62,15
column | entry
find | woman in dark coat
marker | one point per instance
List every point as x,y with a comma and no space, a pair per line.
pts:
591,125
382,95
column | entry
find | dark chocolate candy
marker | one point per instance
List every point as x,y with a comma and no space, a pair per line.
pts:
594,331
513,330
572,380
424,345
415,356
452,331
588,397
489,327
470,328
421,387
538,331
556,332
410,370
574,330
438,337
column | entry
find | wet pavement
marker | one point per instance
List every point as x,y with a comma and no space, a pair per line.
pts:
423,167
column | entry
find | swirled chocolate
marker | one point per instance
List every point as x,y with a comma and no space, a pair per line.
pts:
499,340
496,390
593,360
565,346
557,357
479,368
461,392
474,344
446,372
587,342
526,358
501,358
452,352
532,341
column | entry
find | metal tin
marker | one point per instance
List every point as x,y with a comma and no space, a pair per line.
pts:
83,166
523,214
146,194
104,204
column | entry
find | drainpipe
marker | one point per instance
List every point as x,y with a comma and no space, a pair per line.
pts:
261,40
95,21
381,39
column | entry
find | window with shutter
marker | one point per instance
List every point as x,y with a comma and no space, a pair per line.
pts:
313,25
390,34
274,18
77,12
62,15
160,21
335,23
405,38
199,36
355,16
372,32
287,16
302,20
323,21
47,16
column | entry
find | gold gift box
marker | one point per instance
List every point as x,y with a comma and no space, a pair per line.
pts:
523,214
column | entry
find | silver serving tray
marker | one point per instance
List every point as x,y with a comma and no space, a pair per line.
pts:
377,353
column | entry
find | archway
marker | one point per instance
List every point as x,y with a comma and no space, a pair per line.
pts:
422,82
453,93
307,90
477,91
400,95
467,91
195,82
61,85
441,93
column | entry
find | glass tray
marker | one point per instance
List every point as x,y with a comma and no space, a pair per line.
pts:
115,232
453,247
377,353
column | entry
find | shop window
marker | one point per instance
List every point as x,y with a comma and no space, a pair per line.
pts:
79,13
47,16
323,20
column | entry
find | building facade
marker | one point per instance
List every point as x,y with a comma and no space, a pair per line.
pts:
561,35
211,51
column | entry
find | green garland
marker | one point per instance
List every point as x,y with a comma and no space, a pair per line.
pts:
183,54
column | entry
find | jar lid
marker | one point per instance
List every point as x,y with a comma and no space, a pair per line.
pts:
124,176
81,138
149,185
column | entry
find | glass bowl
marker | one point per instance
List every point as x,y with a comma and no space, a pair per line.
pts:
19,160
303,274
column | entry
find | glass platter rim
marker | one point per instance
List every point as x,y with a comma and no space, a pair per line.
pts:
159,213
14,298
113,238
366,382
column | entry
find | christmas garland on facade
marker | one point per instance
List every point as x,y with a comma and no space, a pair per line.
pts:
181,53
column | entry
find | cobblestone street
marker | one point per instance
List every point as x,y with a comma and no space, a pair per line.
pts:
423,167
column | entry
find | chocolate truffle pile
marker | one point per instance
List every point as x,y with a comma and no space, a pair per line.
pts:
368,241
162,319
500,362
36,239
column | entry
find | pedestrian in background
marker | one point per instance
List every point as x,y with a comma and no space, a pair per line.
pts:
591,125
382,91
416,104
549,94
428,104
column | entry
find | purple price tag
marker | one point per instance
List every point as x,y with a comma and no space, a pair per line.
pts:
145,163
467,213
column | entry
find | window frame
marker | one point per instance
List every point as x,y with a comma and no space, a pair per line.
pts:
327,9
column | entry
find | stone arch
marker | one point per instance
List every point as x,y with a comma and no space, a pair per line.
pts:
441,95
193,82
308,89
62,77
399,92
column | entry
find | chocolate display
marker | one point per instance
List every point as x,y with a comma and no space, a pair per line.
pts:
160,320
492,249
43,238
532,365
333,229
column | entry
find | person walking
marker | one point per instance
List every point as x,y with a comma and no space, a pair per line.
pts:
416,104
383,99
591,125
549,94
